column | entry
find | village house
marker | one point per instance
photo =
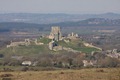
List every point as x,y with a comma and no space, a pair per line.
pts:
26,63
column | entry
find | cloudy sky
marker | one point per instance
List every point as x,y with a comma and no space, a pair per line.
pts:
60,6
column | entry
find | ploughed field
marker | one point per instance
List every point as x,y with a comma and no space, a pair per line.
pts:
82,74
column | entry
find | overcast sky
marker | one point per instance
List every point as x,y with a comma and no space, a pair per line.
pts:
60,6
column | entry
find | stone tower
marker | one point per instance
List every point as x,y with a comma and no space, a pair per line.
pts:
55,33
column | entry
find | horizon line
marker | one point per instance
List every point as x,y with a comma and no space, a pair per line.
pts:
56,13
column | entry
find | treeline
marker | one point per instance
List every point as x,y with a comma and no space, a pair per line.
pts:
65,60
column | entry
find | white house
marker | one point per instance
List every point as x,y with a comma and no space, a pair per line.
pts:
26,63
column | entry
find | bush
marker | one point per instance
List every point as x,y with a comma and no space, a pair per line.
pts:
25,69
7,70
1,55
109,62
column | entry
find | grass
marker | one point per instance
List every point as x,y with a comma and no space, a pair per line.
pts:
83,74
74,45
30,50
45,40
25,50
85,49
39,49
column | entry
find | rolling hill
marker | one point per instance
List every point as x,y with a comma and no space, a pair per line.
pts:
52,18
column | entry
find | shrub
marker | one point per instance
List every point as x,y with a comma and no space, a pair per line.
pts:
6,75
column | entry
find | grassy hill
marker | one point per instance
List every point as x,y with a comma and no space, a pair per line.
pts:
28,50
40,49
77,45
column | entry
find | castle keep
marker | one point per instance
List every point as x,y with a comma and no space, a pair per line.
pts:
55,33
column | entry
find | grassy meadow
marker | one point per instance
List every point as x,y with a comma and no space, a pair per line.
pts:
82,74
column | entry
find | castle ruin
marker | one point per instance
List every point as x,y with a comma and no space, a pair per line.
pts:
55,33
73,36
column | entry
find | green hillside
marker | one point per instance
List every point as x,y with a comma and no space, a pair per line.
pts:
43,49
45,40
77,45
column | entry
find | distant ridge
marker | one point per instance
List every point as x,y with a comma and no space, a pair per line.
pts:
52,18
7,26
